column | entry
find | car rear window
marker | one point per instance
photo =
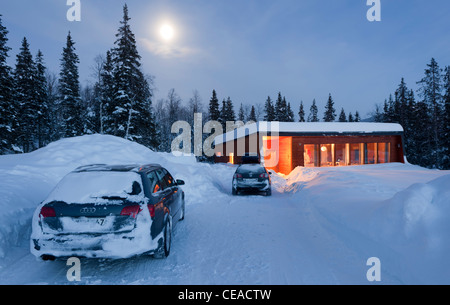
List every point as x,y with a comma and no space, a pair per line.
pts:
97,187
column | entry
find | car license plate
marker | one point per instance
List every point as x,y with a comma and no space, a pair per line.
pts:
101,221
250,180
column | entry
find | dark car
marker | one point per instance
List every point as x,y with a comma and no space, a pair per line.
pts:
110,212
251,176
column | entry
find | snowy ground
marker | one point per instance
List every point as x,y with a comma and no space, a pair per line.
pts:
319,227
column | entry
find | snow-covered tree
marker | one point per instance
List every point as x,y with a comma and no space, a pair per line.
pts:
132,103
24,99
43,119
69,91
7,110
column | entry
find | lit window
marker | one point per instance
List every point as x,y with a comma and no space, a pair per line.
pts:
232,158
326,155
341,155
311,155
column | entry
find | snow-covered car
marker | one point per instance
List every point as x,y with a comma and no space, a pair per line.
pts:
251,177
107,211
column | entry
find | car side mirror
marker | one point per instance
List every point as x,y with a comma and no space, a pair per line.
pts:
180,182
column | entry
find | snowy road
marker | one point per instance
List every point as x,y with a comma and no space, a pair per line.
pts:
247,240
319,227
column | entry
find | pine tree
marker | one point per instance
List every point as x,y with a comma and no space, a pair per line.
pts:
290,116
230,115
7,110
378,115
401,104
42,99
281,109
446,121
132,102
342,116
252,116
213,110
330,112
357,117
430,91
108,124
269,109
24,99
313,112
350,118
69,91
241,115
301,113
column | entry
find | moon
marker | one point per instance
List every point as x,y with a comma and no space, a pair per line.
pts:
167,32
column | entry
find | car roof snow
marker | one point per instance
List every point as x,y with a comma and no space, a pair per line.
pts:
117,168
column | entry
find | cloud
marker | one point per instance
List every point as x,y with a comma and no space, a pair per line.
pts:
168,50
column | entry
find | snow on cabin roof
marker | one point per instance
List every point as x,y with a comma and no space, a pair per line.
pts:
309,128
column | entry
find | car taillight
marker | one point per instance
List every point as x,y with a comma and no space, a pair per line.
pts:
151,209
264,175
238,176
47,212
131,210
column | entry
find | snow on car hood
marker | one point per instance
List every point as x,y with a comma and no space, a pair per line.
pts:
94,187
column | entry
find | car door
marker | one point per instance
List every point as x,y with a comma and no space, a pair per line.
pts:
167,192
159,199
176,193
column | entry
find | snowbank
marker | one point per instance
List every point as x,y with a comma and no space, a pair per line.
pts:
386,211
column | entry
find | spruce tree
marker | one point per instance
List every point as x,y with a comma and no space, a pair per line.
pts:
313,112
430,91
350,118
43,116
290,117
25,99
108,123
7,110
69,91
252,116
330,112
213,109
230,115
269,110
342,116
357,117
446,121
241,115
132,102
301,113
281,109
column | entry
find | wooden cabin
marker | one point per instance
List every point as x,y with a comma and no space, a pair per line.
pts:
284,146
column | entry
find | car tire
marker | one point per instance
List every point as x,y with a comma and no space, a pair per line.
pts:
234,192
269,192
164,249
